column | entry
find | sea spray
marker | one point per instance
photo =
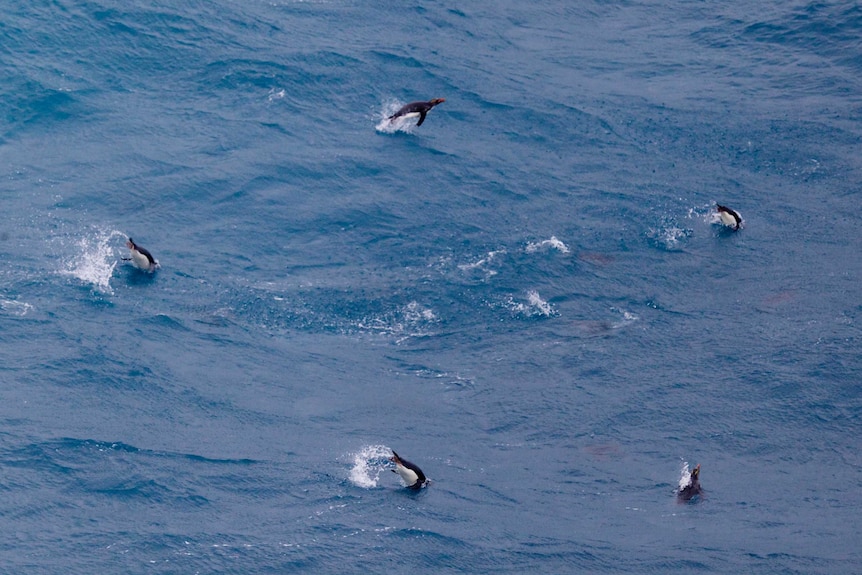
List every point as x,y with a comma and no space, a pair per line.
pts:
368,463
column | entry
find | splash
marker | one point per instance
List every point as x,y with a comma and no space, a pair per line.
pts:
704,211
669,236
94,259
415,313
627,317
387,126
411,320
536,301
482,265
685,476
275,95
552,244
534,307
368,463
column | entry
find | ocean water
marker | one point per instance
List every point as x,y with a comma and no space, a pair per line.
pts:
529,295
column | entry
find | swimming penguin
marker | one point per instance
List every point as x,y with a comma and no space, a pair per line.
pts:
141,258
409,472
692,488
728,217
414,109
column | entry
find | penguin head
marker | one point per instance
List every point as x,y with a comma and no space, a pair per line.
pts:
436,101
695,473
130,244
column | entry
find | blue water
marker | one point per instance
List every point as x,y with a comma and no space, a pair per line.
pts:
528,296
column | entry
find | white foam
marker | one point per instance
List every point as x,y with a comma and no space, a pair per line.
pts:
13,307
368,463
275,95
627,317
535,306
414,313
669,236
93,260
411,320
552,243
482,264
537,302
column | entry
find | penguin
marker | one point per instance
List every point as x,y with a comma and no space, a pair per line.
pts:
409,472
728,217
416,109
141,258
692,488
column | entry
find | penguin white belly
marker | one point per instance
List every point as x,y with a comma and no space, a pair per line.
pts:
411,115
408,475
140,260
727,219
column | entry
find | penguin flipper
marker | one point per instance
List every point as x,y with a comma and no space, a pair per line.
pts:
421,118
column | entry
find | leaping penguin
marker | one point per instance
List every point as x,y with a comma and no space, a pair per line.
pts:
691,489
141,258
409,472
728,217
416,109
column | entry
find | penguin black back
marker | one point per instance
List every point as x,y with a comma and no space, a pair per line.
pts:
417,109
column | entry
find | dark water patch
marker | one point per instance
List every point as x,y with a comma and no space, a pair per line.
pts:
33,105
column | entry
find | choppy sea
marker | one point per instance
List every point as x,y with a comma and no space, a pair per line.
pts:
529,296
